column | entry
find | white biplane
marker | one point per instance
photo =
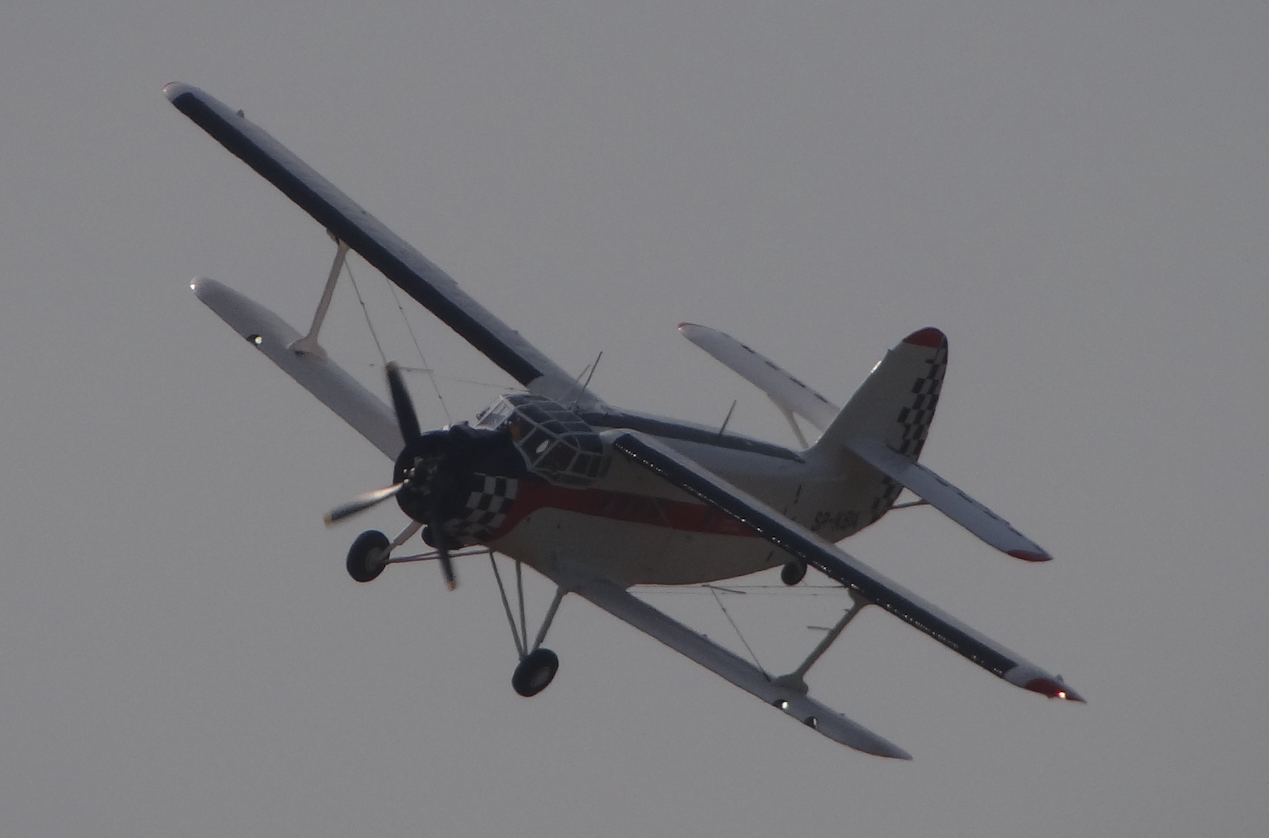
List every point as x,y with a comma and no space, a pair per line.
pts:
600,499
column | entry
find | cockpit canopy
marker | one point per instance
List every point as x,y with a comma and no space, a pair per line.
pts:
554,442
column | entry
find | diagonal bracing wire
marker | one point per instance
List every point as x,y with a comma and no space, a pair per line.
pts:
431,376
365,313
737,629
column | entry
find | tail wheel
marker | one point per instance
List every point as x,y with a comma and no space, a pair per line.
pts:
366,556
793,573
535,672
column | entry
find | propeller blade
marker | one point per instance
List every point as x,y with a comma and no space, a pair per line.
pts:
442,552
361,503
407,420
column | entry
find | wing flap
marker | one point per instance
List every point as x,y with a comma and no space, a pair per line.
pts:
837,564
630,609
948,499
391,255
336,389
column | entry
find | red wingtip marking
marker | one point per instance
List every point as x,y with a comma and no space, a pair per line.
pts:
1052,689
927,337
1029,556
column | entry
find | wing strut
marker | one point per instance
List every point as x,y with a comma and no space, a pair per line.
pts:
308,344
797,678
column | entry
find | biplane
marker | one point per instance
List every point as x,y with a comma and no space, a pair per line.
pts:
599,499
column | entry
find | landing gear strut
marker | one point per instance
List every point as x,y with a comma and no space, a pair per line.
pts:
537,665
372,552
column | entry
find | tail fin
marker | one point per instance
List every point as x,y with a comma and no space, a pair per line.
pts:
885,424
896,403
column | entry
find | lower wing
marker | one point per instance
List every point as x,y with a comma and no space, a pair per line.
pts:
336,389
624,606
834,562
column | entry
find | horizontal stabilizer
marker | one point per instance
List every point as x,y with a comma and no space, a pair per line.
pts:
948,499
787,392
624,606
336,389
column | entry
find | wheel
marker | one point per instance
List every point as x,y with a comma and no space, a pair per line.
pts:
793,573
535,672
366,555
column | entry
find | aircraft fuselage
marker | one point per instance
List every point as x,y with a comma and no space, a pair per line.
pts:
638,529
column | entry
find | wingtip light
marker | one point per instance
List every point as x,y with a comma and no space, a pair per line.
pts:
1053,689
174,89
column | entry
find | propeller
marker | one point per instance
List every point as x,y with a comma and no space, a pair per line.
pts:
442,551
418,475
407,421
361,503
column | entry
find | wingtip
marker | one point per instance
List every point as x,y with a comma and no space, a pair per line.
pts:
173,90
1053,689
1031,555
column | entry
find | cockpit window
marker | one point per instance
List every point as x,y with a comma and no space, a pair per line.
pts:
494,415
554,442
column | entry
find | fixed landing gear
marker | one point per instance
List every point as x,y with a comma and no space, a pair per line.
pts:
366,556
793,573
537,665
535,672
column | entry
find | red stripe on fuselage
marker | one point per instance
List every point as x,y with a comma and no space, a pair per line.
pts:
621,506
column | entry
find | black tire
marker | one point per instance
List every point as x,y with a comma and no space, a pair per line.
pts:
360,568
793,573
535,672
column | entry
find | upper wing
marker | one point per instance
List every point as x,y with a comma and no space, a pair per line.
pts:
379,246
738,671
837,564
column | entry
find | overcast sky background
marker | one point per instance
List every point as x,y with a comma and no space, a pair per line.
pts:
1075,192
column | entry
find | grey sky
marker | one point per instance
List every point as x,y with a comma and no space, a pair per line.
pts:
1075,193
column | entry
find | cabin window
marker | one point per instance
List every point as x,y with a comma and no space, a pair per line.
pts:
554,442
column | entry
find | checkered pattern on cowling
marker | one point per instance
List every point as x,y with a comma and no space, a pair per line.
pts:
915,417
486,509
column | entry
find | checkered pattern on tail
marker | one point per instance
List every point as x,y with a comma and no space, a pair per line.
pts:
914,418
486,509
884,499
